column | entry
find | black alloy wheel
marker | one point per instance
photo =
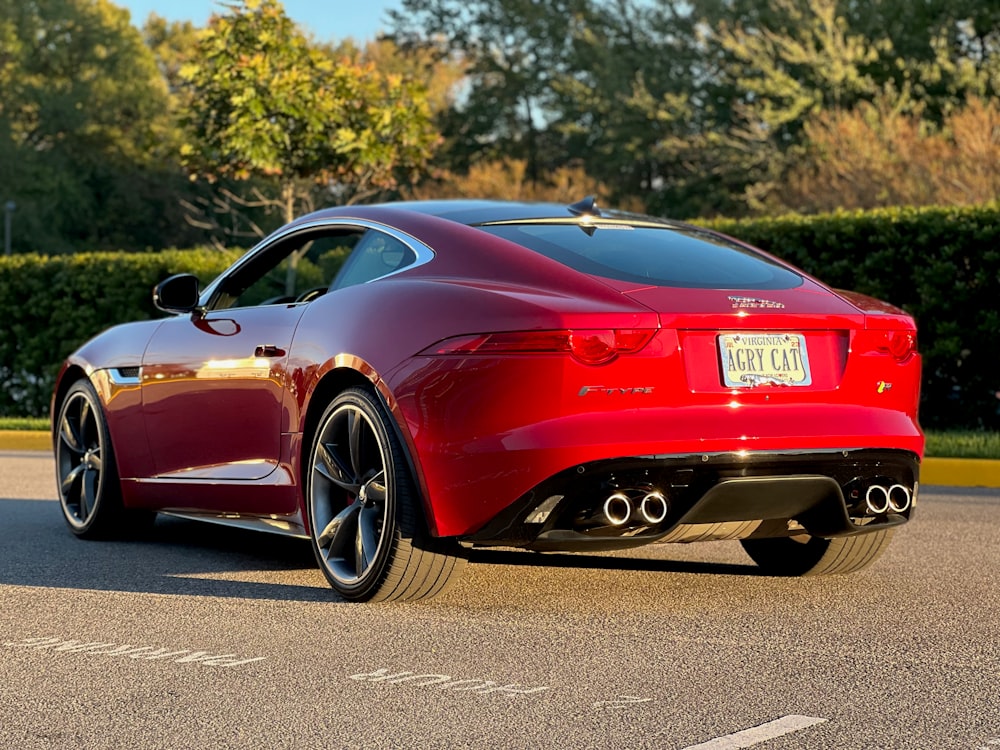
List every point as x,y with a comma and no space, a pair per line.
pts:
363,514
89,489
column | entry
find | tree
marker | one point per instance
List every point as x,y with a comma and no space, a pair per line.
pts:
82,117
874,155
269,106
439,77
787,62
633,93
173,44
512,51
507,179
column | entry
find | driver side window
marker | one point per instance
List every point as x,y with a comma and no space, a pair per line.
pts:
297,269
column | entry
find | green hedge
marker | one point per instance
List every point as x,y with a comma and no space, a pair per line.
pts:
940,264
51,305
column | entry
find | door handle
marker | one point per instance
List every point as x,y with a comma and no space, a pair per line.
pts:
268,350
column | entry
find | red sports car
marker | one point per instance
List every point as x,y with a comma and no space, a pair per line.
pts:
400,383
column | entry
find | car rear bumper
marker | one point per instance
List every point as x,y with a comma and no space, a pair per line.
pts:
623,503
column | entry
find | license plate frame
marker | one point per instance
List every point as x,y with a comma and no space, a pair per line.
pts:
750,359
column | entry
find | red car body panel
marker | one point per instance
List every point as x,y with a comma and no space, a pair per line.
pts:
217,419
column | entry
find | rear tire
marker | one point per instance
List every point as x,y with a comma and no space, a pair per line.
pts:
89,487
364,515
806,555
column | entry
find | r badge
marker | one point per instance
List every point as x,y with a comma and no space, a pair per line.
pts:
883,386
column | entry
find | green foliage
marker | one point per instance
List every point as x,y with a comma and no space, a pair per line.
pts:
83,120
942,265
963,444
25,424
513,51
52,304
695,107
266,102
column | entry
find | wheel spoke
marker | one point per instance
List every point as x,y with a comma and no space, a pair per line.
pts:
333,534
354,425
88,494
70,479
70,436
375,488
333,467
85,419
366,541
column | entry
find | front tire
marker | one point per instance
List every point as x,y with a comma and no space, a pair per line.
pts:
89,488
364,516
806,555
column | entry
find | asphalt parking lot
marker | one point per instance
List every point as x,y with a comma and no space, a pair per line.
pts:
202,636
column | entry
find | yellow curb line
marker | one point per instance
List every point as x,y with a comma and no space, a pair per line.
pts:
955,472
25,440
961,472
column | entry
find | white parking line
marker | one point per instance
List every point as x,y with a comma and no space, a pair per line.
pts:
756,735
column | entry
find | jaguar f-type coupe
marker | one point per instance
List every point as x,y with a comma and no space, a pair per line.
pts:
401,383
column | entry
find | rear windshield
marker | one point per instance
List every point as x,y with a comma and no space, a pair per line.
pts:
647,255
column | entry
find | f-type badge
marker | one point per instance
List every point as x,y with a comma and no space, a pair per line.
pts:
743,303
605,391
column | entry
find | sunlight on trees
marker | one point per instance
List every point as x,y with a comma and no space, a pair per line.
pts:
681,108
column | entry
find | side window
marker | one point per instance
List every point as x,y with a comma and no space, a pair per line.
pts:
375,255
297,269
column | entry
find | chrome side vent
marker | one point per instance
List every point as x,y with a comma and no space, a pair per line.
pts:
125,375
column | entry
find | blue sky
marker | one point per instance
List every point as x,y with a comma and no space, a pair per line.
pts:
326,19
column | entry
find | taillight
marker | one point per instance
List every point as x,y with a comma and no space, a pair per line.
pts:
900,344
591,347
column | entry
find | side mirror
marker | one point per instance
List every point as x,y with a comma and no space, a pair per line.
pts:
177,294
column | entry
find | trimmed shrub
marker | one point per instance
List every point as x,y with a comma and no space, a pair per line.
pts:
52,304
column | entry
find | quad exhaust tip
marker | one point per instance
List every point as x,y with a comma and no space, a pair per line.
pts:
654,507
880,499
620,509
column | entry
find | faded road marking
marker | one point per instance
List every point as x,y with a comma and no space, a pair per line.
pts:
445,682
756,735
144,653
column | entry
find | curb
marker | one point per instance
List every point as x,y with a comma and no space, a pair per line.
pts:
24,440
953,472
960,472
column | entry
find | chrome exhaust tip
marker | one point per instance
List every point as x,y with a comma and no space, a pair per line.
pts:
877,499
618,509
654,507
899,498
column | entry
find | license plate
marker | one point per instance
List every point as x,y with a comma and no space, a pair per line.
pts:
752,359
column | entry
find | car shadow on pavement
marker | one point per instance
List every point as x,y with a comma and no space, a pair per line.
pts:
192,558
174,557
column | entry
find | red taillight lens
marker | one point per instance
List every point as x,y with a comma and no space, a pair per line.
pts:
900,344
591,347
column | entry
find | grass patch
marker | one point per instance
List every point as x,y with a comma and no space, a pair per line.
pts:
963,444
26,424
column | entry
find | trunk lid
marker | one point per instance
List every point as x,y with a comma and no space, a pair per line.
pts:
732,340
